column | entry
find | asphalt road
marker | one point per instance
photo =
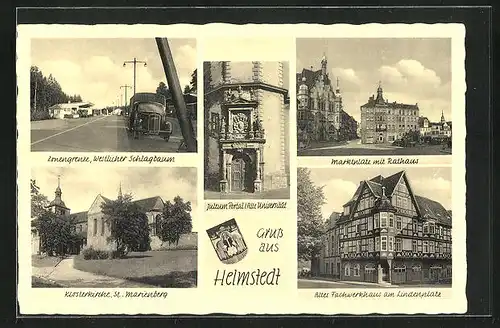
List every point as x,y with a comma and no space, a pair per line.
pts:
98,134
355,148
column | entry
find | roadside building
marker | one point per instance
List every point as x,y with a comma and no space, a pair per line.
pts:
385,122
320,111
71,110
387,234
246,127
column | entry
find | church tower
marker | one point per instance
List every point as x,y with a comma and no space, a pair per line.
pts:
380,92
442,117
324,63
57,206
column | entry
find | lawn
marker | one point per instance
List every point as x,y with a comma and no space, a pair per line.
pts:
357,151
37,282
283,193
40,261
165,269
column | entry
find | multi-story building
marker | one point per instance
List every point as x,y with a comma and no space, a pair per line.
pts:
91,226
385,122
387,234
246,127
320,112
435,130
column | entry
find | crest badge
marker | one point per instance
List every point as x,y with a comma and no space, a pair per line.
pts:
228,242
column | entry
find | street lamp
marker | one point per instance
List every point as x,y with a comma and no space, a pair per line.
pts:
135,62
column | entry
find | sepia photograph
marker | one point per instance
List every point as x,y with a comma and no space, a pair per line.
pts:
113,95
246,143
131,229
382,227
228,242
374,96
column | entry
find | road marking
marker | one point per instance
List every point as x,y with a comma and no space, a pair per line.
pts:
73,128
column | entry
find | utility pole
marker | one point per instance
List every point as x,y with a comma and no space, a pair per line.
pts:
177,96
134,62
125,87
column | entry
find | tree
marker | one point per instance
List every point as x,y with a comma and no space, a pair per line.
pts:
194,81
175,221
187,89
56,233
310,223
163,90
38,201
128,225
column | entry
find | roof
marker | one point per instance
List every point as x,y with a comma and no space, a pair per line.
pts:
148,204
311,77
433,210
80,217
372,102
71,105
428,208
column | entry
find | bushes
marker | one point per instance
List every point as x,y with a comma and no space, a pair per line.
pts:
40,115
96,254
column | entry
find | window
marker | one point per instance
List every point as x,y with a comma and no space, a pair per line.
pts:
356,270
441,231
376,221
347,270
400,268
398,223
419,245
79,228
415,226
426,228
426,247
383,243
346,210
391,244
370,223
370,245
95,227
399,244
414,246
416,268
358,246
431,247
377,244
391,220
214,124
383,220
102,226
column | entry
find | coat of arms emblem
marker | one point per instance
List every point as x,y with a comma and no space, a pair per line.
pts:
228,242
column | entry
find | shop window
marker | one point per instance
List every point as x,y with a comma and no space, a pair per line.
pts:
416,268
356,270
347,270
400,268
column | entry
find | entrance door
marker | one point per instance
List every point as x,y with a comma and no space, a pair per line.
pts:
238,174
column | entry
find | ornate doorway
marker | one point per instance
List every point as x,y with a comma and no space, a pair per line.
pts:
241,173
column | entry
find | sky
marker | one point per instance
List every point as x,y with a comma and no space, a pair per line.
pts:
341,184
94,68
410,70
80,186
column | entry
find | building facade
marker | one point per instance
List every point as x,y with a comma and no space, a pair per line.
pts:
92,227
246,127
435,130
385,122
320,112
388,235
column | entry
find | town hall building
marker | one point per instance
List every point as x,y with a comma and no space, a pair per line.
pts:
246,127
320,111
388,235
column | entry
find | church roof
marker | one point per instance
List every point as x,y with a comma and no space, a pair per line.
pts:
80,217
311,77
148,204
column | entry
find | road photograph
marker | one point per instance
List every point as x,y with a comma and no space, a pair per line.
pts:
119,95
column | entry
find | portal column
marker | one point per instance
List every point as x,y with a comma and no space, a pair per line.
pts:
380,276
390,271
257,184
223,182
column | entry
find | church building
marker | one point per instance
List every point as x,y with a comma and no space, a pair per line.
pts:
92,228
246,127
388,235
320,111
